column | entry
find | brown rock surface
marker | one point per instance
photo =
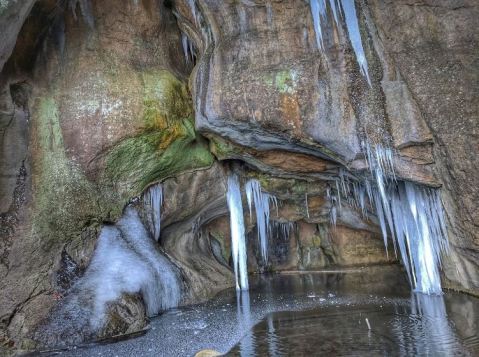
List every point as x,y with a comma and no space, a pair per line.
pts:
262,83
434,45
95,106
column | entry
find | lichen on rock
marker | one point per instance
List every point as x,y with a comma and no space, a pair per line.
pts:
64,200
167,144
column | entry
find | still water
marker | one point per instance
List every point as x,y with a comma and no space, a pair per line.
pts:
394,325
358,312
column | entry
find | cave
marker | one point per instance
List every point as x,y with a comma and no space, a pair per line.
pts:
239,177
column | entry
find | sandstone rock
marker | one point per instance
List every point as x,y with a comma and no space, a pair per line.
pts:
207,353
435,51
286,95
125,316
12,15
98,107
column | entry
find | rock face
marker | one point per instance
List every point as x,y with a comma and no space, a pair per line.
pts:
437,55
262,85
73,121
104,103
12,16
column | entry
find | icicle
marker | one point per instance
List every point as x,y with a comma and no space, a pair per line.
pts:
333,218
349,9
414,216
188,48
281,229
426,238
333,200
238,244
411,214
152,201
318,11
192,6
348,12
261,202
184,42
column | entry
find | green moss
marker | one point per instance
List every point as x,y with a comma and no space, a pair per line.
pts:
136,162
222,149
166,100
168,144
285,81
225,248
64,200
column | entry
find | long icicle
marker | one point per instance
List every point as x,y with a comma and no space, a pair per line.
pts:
238,244
347,10
261,201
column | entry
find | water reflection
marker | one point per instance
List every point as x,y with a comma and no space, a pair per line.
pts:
245,322
340,282
272,339
416,327
464,312
425,329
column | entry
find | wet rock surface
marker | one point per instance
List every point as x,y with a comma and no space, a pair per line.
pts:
98,102
435,54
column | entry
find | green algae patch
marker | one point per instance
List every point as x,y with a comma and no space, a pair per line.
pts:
136,162
167,145
166,100
64,200
222,149
285,81
224,244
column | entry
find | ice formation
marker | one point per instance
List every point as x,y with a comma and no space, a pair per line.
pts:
261,201
188,49
282,229
238,244
126,260
152,201
245,322
347,11
410,213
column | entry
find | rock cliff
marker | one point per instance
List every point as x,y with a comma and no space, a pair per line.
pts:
99,101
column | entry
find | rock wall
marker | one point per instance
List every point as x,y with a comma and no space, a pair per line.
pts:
98,101
434,45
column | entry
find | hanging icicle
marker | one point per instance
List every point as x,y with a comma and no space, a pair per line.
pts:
261,202
347,10
238,244
152,201
410,213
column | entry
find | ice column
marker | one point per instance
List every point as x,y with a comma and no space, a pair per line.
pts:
238,244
